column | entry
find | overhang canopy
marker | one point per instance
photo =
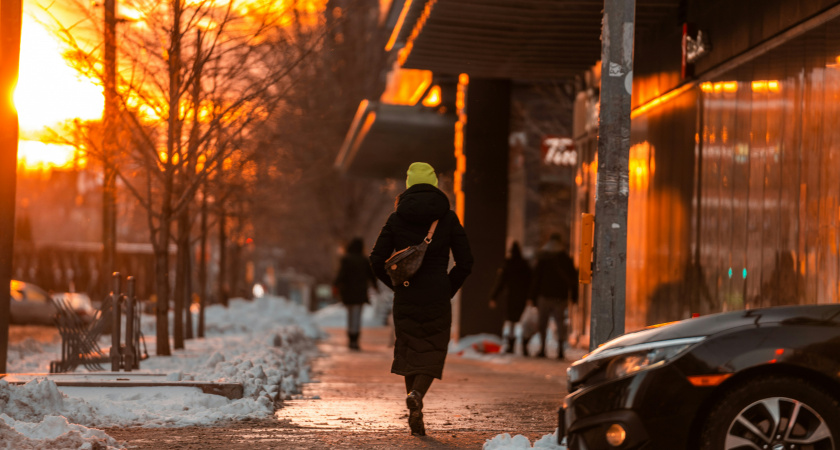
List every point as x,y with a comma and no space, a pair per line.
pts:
383,137
517,39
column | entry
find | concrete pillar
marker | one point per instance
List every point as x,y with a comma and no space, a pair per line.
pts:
484,184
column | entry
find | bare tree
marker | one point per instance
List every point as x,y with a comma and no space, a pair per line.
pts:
308,207
195,79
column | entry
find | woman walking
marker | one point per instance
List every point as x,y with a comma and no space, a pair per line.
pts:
352,282
422,310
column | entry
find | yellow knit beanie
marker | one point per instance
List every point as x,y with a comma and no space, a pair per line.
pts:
420,173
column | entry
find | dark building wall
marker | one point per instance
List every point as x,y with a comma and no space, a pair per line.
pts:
733,27
736,26
734,199
485,185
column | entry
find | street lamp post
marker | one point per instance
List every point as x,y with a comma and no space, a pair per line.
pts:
613,188
11,15
109,144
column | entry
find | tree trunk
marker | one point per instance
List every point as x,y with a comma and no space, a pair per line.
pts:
162,284
181,276
173,144
223,294
188,322
234,273
202,263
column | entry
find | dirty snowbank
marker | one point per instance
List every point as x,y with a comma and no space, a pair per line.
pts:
264,344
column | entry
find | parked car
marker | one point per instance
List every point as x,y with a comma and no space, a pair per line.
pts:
30,305
80,303
756,379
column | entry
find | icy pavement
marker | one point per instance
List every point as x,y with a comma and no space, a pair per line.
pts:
263,344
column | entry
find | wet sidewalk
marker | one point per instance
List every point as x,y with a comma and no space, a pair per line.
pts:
355,402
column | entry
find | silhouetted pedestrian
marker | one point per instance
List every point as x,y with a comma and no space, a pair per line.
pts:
554,282
422,310
513,280
352,282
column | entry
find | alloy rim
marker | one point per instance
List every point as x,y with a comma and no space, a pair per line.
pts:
778,423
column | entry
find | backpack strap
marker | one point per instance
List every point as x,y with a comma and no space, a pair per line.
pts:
428,238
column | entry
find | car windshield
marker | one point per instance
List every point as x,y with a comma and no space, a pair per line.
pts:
35,295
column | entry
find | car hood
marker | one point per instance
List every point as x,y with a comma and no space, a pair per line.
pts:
722,322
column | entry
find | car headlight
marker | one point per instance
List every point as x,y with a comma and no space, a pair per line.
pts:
622,361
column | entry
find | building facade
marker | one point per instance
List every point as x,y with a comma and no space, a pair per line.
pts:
735,148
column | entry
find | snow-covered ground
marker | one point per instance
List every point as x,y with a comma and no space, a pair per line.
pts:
263,344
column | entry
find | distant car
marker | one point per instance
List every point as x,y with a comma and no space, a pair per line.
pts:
756,379
30,305
79,303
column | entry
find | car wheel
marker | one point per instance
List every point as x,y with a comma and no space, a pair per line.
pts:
774,413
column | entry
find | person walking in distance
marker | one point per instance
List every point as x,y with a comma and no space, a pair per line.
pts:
352,282
514,280
554,282
422,309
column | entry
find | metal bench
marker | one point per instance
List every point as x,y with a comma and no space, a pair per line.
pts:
80,339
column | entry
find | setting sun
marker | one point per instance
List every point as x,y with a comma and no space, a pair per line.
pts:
48,93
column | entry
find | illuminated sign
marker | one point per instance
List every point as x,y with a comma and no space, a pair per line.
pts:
559,151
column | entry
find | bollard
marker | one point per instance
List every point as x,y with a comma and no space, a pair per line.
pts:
116,357
129,326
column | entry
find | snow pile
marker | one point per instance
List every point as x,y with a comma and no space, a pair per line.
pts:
335,316
377,313
34,401
23,357
520,442
52,432
265,345
479,343
260,314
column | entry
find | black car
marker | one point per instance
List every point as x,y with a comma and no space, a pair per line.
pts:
756,379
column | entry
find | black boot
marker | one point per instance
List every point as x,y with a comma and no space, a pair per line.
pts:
414,402
354,340
511,344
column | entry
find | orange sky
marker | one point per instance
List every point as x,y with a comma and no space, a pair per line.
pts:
49,91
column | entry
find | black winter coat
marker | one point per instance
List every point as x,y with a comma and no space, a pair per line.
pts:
422,310
514,279
354,277
555,276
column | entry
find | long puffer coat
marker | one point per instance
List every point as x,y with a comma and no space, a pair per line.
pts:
422,310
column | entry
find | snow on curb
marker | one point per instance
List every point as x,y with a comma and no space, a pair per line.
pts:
520,442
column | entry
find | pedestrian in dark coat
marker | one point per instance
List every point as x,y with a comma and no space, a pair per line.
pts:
554,283
514,280
352,282
422,310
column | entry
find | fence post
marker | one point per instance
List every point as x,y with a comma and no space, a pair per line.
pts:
115,330
129,326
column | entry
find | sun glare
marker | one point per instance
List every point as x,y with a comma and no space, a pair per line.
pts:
36,155
49,91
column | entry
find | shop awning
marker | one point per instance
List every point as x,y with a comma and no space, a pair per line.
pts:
384,139
521,39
